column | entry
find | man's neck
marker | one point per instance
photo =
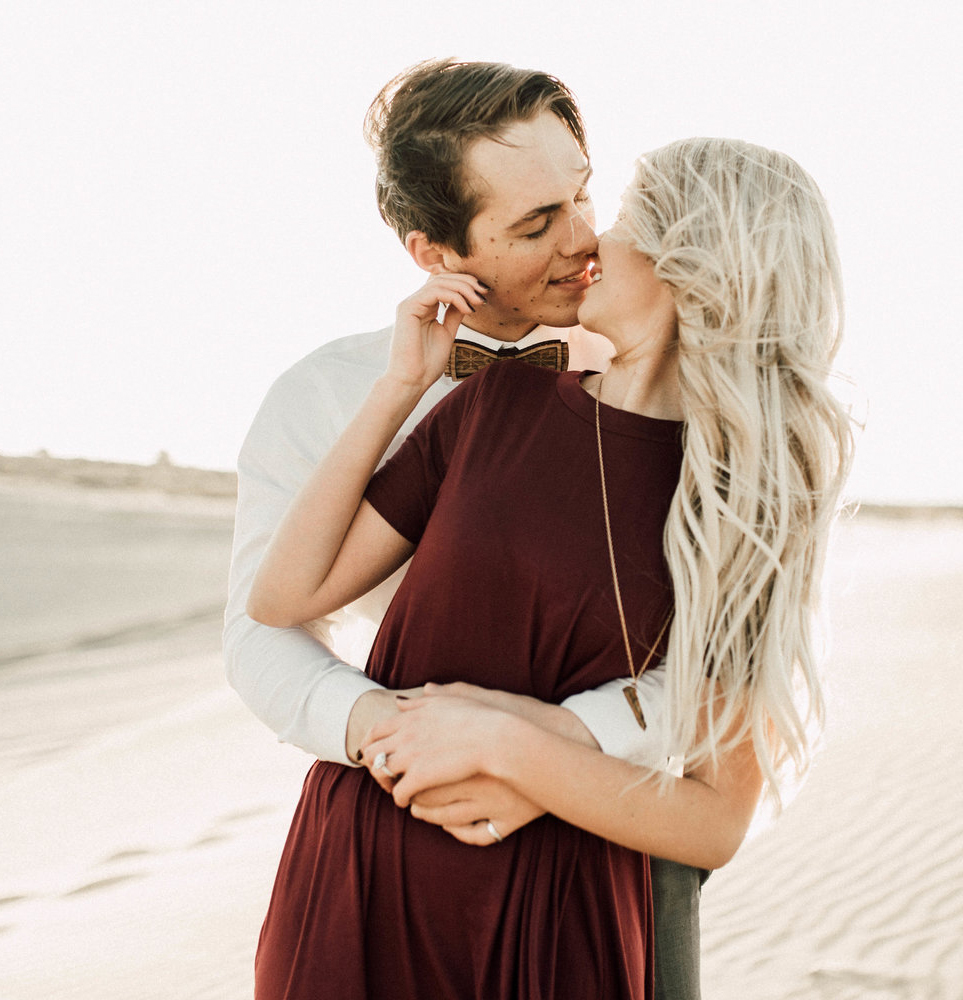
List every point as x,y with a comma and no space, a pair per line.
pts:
534,334
505,334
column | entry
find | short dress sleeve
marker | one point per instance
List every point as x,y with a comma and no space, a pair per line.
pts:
404,490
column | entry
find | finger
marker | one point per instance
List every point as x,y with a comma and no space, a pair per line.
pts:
461,280
457,689
370,749
433,294
474,833
453,320
445,795
409,705
453,814
382,730
409,785
385,778
381,758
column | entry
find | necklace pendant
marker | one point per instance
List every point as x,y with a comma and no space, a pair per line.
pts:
632,697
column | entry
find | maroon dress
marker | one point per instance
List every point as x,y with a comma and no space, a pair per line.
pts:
510,588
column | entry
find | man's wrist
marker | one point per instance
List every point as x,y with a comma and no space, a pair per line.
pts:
369,709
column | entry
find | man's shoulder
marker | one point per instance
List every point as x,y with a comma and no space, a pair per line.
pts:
357,356
326,386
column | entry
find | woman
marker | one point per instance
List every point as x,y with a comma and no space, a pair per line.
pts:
720,291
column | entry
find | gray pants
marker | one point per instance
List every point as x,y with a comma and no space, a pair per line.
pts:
676,890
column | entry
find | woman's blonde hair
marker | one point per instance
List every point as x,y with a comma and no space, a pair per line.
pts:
743,237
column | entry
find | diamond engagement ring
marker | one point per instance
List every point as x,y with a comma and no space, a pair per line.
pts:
381,764
490,826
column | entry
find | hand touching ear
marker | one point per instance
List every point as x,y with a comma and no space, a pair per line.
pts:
420,344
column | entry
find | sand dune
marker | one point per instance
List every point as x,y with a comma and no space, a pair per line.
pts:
142,809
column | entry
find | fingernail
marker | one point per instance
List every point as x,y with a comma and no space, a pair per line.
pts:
401,697
482,297
487,288
359,756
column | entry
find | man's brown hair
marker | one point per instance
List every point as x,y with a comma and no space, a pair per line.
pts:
421,124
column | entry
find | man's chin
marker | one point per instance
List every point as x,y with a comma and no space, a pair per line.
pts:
561,318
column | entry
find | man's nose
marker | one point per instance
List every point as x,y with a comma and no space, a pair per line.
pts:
579,236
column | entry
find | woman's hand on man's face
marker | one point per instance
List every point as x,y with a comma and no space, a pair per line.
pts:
420,345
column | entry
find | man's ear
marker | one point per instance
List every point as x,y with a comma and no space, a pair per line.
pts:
427,255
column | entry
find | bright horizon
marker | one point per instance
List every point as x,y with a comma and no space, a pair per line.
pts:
188,203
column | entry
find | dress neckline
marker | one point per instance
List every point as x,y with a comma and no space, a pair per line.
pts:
582,403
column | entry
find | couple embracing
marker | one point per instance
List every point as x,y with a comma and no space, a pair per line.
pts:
608,545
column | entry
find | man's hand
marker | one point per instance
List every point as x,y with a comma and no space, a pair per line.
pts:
370,709
465,809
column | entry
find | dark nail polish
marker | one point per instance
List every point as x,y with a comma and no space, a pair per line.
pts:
487,288
359,756
402,697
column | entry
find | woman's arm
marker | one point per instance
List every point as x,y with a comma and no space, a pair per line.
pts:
700,819
331,547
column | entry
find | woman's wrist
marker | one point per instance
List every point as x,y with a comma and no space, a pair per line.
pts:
503,751
394,389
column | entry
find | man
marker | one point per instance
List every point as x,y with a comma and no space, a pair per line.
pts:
519,219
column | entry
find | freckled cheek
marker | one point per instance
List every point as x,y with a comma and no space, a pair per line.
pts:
516,275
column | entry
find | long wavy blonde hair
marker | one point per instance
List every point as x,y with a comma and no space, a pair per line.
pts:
743,237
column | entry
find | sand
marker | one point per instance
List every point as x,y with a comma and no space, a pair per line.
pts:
143,810
857,890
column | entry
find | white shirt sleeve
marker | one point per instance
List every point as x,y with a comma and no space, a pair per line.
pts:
288,679
609,718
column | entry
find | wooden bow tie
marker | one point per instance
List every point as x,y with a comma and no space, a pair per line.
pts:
467,358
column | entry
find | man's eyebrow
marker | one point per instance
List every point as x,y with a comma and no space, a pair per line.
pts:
546,209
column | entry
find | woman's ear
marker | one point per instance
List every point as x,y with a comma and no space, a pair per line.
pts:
427,255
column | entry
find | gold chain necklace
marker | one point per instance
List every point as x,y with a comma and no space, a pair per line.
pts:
631,695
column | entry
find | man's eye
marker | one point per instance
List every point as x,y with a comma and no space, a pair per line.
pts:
540,232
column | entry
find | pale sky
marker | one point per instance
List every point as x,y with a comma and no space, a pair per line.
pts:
186,200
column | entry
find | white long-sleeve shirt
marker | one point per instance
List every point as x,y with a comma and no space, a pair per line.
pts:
302,682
